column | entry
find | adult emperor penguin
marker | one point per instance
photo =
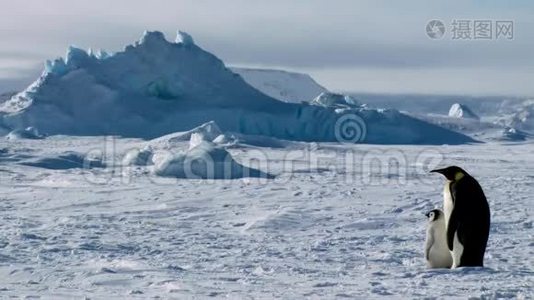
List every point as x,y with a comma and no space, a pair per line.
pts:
437,253
467,217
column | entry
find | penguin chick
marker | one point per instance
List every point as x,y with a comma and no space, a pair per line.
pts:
437,253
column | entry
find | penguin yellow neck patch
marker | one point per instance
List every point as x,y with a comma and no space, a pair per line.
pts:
458,176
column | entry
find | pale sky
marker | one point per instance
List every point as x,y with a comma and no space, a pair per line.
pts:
346,45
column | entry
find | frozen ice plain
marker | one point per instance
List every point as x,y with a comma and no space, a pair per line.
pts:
313,232
329,225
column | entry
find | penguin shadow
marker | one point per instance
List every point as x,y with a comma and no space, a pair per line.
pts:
458,271
475,270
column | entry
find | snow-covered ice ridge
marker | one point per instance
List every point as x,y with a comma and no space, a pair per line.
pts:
282,85
155,87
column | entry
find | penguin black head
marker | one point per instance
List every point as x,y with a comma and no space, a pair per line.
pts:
433,215
452,173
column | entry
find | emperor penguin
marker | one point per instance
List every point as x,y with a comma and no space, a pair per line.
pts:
467,217
437,253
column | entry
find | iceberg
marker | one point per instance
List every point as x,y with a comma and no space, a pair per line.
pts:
458,110
156,87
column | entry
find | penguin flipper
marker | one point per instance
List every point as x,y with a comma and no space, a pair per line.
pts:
452,227
428,245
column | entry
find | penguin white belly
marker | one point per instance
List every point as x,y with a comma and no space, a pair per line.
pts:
439,255
457,251
448,204
439,258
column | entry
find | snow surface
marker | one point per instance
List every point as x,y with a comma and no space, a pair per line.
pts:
327,226
156,87
282,85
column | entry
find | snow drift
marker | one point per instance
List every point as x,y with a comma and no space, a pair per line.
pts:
64,161
205,161
155,87
26,133
205,158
